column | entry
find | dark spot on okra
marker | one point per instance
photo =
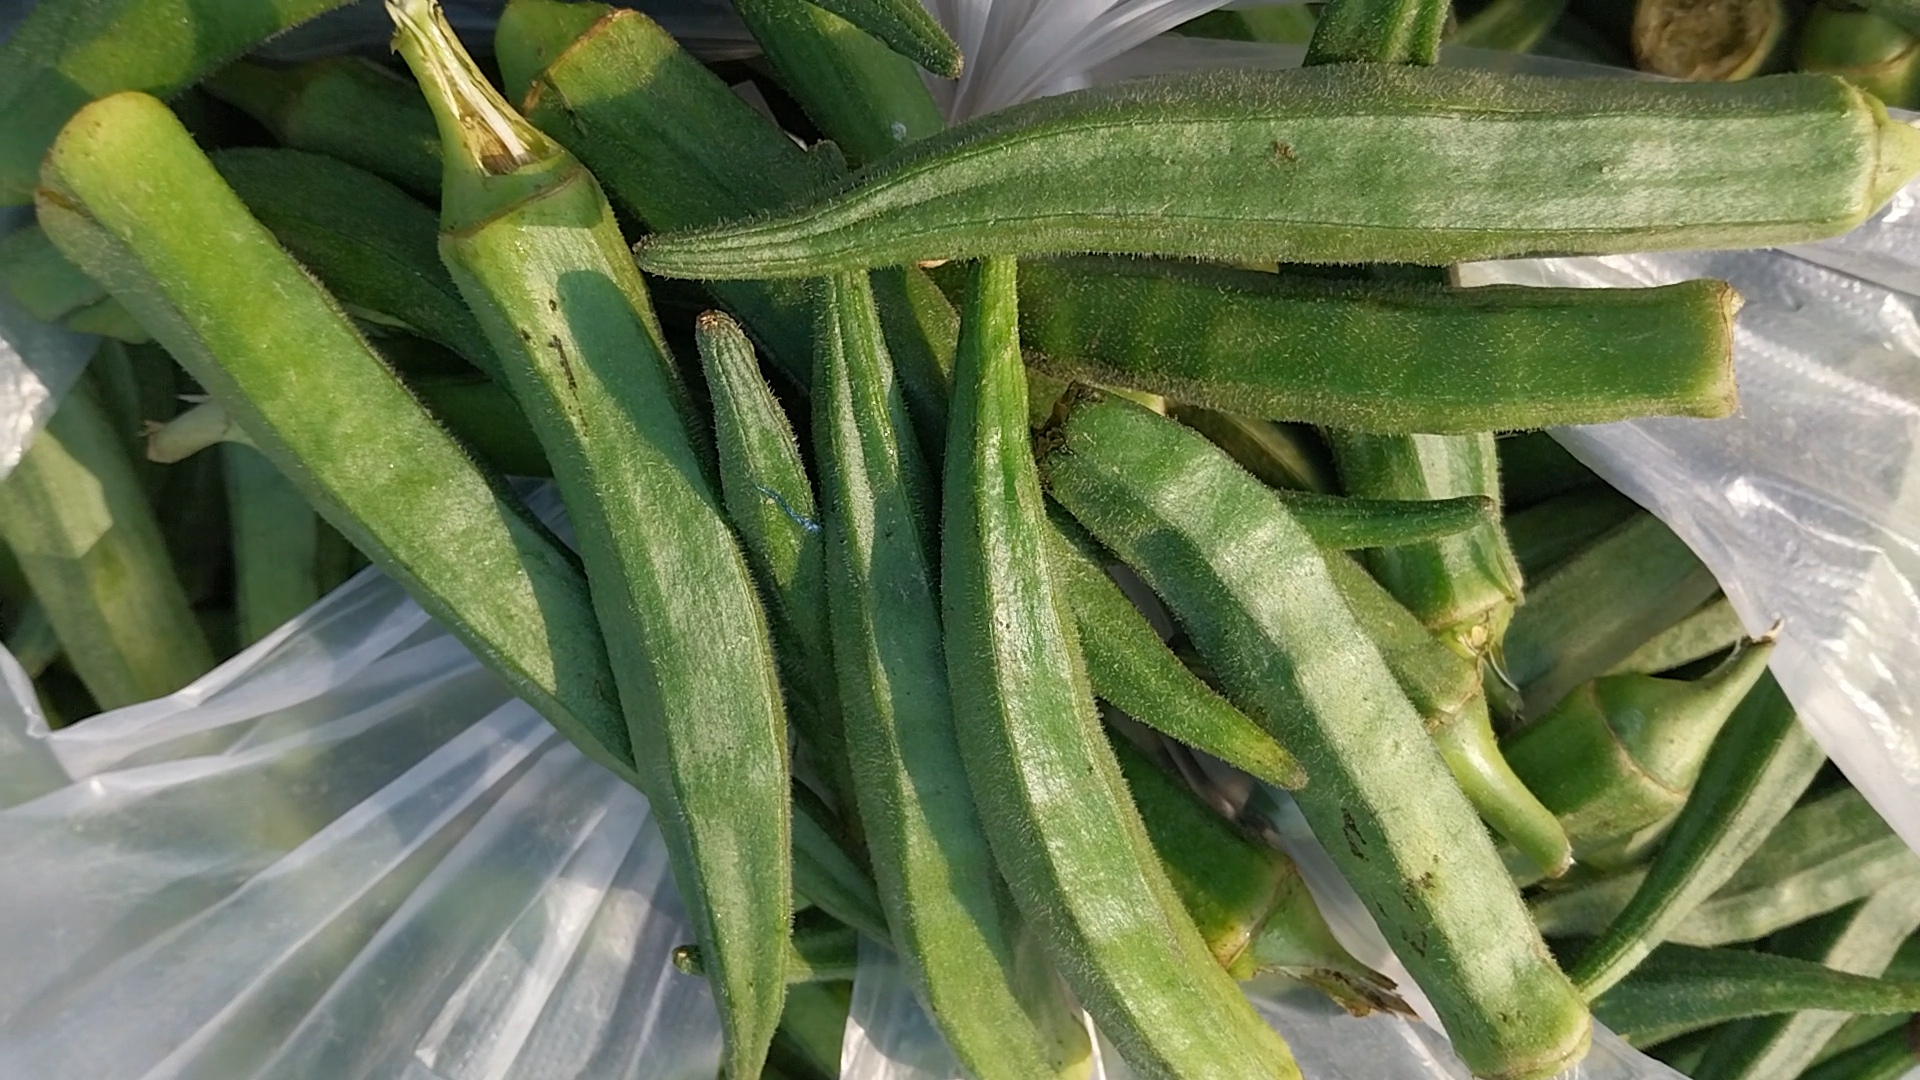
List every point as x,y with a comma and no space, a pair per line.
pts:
566,366
1355,842
1283,153
553,304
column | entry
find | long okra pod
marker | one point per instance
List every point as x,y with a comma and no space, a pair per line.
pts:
532,243
1755,771
276,538
952,922
1260,604
75,515
1051,795
1246,166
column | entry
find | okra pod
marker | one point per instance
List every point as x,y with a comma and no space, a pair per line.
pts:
1863,47
812,1028
1713,627
532,243
1755,771
1546,534
818,950
1510,25
943,897
31,639
1380,356
40,279
1904,967
1888,1057
1378,31
1130,668
1535,468
1258,601
825,870
1051,796
77,519
276,539
1244,166
1287,457
905,27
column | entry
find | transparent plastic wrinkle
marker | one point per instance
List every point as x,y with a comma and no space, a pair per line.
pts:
38,362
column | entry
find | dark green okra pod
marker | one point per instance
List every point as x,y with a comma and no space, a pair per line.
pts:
1509,25
905,27
1378,31
1714,627
532,243
1287,457
825,870
1249,167
1075,853
1258,601
1887,1057
40,279
1548,533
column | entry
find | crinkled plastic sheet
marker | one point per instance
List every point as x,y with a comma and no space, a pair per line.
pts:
38,362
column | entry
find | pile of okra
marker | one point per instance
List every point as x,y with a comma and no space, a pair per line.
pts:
980,529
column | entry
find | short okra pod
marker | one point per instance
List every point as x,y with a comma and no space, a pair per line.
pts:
1243,166
1131,669
1622,752
76,517
532,243
1247,899
1256,597
1757,768
1380,356
952,922
345,107
1445,688
1073,848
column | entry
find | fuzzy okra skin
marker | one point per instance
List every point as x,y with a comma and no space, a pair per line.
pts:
1347,163
126,195
1382,357
1050,793
953,924
903,26
1258,600
533,245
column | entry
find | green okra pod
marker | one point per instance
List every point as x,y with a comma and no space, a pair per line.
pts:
532,243
922,329
1051,796
1445,688
1904,967
1680,989
1380,356
952,922
40,279
826,871
484,416
1535,468
1288,457
1247,899
1887,1057
1378,31
1259,602
372,245
1859,939
345,107
812,1028
1712,628
75,515
1244,166
31,639
276,538
1131,669
905,27
1757,768
769,498
1510,25
1545,534
1622,752
65,55
1863,47
819,950
1599,605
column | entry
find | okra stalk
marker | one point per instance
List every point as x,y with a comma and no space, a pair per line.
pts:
76,516
532,243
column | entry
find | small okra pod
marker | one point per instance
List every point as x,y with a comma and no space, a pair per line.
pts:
1547,533
1287,457
1132,669
1073,849
1859,939
75,515
65,55
372,245
1380,356
1754,773
1463,588
41,280
1712,628
1247,899
820,949
345,107
1378,31
1621,752
922,329
905,27
1599,605
1256,597
276,539
1249,167
532,243
826,871
1445,688
1680,989
1886,1057
953,924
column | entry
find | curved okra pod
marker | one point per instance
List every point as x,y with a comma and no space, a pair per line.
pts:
1886,1057
127,196
1755,771
1380,356
952,922
1859,939
1131,669
1621,753
1445,688
1074,850
769,498
1244,166
345,107
1247,899
76,517
372,245
1259,602
1463,588
532,243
